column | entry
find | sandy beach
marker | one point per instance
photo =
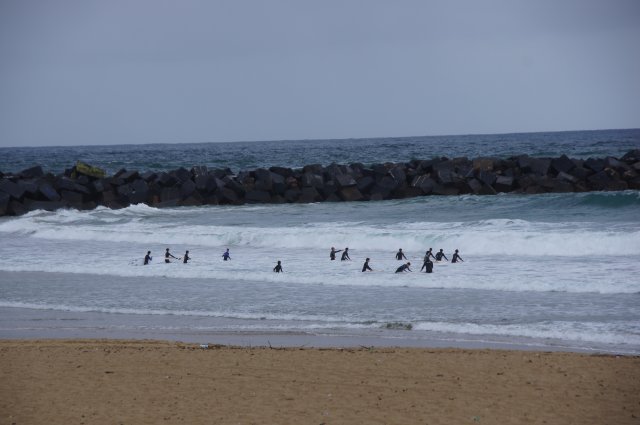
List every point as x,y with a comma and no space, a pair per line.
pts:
148,382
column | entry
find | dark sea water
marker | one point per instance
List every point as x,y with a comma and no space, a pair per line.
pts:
297,153
551,271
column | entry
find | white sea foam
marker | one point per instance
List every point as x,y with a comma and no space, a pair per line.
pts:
602,333
323,321
486,237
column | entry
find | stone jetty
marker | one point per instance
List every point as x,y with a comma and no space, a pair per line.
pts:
84,187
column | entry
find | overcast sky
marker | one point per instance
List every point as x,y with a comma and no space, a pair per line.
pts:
142,71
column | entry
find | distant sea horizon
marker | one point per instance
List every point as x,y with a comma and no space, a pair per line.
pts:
315,139
243,155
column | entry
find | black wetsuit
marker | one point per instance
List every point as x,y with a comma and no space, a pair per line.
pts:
278,268
400,255
345,256
455,258
147,258
186,258
426,262
226,256
429,267
439,256
167,255
402,268
332,254
366,267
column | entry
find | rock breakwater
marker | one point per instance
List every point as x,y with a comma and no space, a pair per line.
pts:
84,187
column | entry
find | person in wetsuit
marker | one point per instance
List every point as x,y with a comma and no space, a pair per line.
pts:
167,256
278,268
226,256
345,255
403,268
147,258
366,267
430,253
440,255
456,257
332,254
186,257
428,266
427,261
400,255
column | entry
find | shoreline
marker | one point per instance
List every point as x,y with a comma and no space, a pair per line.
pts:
120,381
25,324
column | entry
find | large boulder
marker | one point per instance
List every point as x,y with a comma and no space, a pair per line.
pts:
594,164
89,171
484,164
310,179
399,175
257,197
562,164
632,156
292,195
170,194
350,194
263,181
4,203
503,184
32,173
72,198
187,188
537,166
16,208
139,192
15,190
48,192
282,171
424,183
345,180
365,183
606,180
309,194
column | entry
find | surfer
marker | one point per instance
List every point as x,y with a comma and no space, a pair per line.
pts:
278,267
428,265
403,268
332,254
345,255
168,255
147,258
226,256
186,257
400,255
430,254
456,257
366,267
427,261
440,255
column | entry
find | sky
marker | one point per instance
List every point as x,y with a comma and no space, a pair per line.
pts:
87,72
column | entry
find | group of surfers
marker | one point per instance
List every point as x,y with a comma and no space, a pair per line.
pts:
185,258
427,265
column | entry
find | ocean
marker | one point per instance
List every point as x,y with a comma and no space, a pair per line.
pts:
549,271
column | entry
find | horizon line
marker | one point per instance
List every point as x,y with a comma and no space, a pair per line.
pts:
322,139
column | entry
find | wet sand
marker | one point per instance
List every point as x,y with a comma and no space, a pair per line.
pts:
139,382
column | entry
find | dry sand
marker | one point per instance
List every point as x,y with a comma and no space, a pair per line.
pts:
147,382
